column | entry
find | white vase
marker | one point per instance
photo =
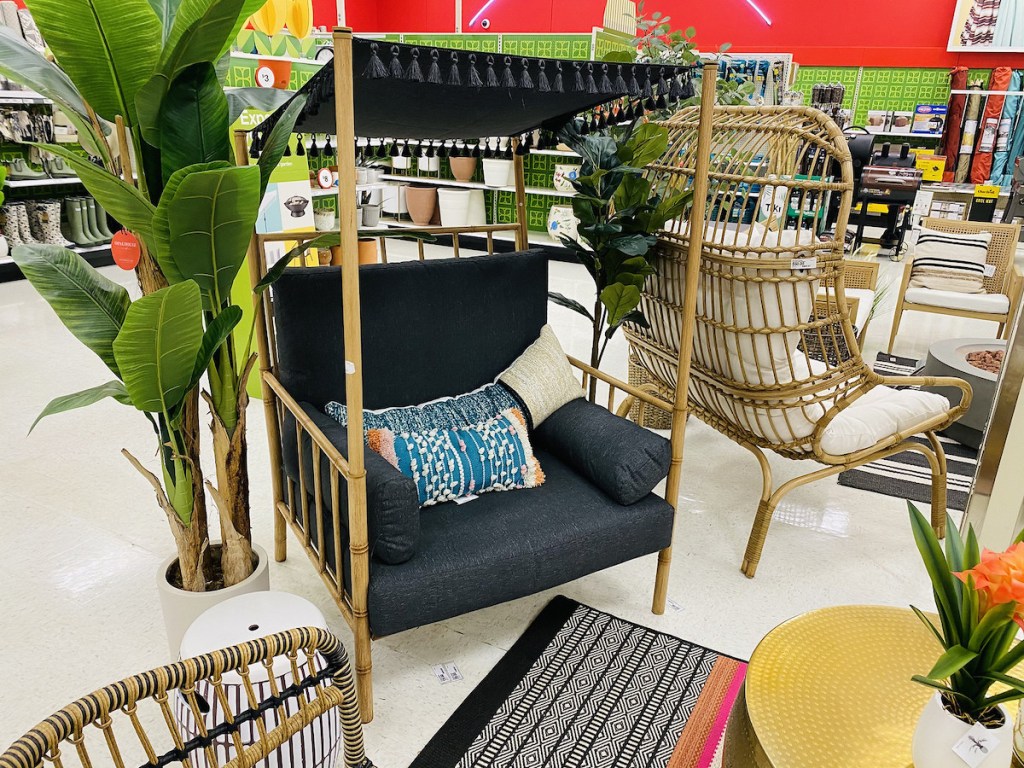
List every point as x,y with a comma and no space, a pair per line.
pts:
562,221
937,731
454,207
324,220
497,172
181,608
401,162
477,214
428,164
4,248
565,174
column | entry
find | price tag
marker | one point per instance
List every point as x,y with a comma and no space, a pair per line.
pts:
676,607
990,270
325,178
265,77
447,673
464,499
976,745
350,367
987,191
125,250
808,262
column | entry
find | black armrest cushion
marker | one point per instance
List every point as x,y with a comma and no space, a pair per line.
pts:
622,459
393,510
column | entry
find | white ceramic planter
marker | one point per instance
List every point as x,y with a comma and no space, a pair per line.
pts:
324,220
401,162
181,608
4,248
374,175
477,214
937,731
562,221
429,164
564,176
393,199
497,172
454,207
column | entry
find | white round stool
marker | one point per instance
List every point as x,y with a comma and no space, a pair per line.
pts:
235,621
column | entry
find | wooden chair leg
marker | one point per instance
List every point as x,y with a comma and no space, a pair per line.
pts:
364,668
939,479
280,537
897,316
661,581
765,510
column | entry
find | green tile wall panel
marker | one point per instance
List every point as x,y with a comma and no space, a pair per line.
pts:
547,46
808,77
900,89
487,43
607,40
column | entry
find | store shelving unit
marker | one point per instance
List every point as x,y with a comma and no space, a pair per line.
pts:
97,255
47,182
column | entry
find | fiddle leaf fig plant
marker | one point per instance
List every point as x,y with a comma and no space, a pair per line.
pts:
620,212
154,67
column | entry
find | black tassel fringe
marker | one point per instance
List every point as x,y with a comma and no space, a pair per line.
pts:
375,68
525,81
413,71
434,72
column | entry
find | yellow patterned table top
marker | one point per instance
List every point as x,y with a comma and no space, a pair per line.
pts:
832,688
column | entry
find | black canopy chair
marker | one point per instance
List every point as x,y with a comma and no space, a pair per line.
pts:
433,329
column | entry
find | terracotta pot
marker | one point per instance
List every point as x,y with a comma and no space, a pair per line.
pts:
463,168
181,608
367,250
335,255
422,202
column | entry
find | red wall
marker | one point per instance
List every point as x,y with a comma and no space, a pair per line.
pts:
873,33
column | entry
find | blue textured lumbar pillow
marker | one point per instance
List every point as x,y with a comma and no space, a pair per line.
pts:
444,413
447,464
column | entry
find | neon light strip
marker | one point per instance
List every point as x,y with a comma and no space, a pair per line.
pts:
488,5
751,3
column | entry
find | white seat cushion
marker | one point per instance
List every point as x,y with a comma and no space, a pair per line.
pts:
865,298
996,303
881,412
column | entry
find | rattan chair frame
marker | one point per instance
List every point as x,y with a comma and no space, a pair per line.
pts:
310,695
727,289
1002,250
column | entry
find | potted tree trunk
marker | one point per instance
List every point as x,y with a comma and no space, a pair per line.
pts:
172,183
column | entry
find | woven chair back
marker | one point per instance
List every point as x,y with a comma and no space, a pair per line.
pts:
236,707
768,360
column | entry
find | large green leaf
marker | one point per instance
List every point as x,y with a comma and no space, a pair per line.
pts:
114,389
619,300
951,662
210,217
157,347
277,141
647,143
217,332
202,31
262,99
109,49
22,63
939,573
575,306
120,199
90,305
166,11
195,121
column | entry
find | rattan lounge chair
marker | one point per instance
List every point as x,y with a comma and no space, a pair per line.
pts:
765,291
1002,292
233,708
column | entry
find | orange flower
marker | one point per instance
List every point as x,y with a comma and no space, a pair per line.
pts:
999,579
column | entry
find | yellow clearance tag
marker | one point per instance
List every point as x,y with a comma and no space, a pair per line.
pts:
986,191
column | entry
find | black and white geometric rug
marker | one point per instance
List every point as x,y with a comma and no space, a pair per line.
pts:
906,475
583,688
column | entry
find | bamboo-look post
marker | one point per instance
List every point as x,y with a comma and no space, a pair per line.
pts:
709,81
270,409
519,168
356,485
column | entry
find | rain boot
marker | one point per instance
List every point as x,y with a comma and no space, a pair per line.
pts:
21,212
75,229
9,225
35,220
89,218
101,222
48,213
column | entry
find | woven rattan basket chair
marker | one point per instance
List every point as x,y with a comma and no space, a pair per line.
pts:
765,292
1002,292
234,707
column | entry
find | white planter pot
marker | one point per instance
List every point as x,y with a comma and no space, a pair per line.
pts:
361,175
454,206
181,608
562,221
497,172
564,176
4,248
477,214
937,731
374,175
393,199
401,162
429,164
324,220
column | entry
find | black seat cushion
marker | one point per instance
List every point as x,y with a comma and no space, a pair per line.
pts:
624,460
506,545
430,329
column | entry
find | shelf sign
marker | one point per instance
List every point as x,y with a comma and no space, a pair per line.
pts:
125,250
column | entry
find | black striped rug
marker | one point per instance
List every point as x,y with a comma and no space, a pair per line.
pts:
906,475
583,689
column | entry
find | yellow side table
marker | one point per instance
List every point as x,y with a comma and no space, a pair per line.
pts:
832,688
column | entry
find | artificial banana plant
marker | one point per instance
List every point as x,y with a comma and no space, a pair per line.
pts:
151,66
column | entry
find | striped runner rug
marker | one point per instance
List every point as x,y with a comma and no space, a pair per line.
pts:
583,688
906,475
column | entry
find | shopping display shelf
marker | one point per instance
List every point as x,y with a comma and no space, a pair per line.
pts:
547,191
55,181
96,255
22,97
539,239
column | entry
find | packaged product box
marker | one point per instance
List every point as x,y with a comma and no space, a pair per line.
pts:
901,122
878,121
931,166
929,119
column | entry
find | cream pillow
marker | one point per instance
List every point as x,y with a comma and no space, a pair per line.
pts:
542,377
947,261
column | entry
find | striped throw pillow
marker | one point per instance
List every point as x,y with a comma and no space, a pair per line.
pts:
944,261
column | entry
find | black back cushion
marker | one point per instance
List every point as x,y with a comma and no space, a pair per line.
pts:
430,329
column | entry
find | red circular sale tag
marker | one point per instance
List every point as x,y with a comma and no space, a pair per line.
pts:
125,249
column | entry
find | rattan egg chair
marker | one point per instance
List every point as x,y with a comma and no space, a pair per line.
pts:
771,290
234,707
